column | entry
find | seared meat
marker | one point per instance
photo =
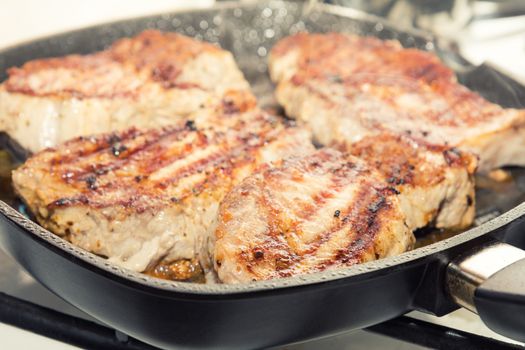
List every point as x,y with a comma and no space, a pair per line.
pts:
322,211
436,183
150,80
140,197
400,109
346,87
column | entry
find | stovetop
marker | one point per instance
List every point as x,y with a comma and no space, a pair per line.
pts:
56,322
501,42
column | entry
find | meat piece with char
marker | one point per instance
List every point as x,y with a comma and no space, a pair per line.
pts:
151,80
140,197
308,214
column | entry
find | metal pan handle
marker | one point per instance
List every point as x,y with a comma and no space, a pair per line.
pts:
490,281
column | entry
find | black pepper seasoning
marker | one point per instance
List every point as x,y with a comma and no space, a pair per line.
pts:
91,182
117,149
190,125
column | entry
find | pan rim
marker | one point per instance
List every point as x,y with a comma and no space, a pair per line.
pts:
38,232
386,264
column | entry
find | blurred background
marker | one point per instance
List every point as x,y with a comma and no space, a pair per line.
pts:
491,31
485,30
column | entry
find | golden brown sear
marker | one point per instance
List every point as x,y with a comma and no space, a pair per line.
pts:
143,196
346,87
312,213
150,80
402,110
435,183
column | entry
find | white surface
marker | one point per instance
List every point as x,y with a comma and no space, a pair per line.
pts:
21,20
499,42
16,282
15,338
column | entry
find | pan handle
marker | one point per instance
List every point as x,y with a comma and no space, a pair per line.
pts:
490,281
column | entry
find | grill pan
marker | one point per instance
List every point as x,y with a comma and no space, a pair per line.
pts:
474,269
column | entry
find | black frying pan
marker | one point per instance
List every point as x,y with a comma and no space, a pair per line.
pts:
434,278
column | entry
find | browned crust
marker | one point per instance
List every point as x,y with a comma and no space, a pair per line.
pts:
114,169
385,70
402,160
235,102
161,54
341,55
365,215
150,56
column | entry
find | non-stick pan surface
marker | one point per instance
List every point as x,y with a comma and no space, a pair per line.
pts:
171,314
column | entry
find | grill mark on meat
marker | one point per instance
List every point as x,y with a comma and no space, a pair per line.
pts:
164,160
96,177
356,61
352,218
98,145
279,234
91,146
460,102
282,240
366,230
341,178
318,201
308,210
197,167
109,185
179,163
146,168
135,155
373,103
228,156
345,54
279,245
151,143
